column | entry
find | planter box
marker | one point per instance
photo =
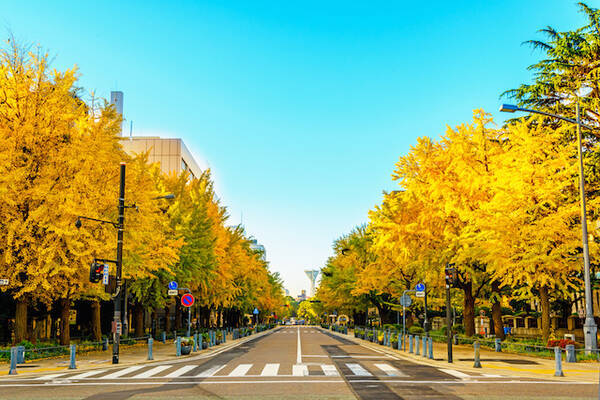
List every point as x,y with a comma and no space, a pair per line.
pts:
218,342
185,350
395,345
204,345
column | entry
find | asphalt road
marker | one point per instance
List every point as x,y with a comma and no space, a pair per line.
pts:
287,363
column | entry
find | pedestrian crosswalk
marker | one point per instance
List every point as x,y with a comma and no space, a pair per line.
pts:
210,370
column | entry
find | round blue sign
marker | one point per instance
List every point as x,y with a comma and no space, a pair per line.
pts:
420,287
255,311
173,285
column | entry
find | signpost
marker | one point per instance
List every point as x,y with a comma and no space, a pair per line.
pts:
173,292
173,285
405,301
187,300
3,282
420,291
255,312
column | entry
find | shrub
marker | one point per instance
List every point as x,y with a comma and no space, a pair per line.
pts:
415,329
187,341
562,343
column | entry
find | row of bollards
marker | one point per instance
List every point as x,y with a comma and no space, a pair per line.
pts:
423,345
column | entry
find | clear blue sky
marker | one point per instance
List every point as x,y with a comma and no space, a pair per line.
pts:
302,109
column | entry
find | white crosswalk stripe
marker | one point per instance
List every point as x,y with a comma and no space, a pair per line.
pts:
358,370
454,373
87,374
299,370
51,376
180,371
210,372
389,370
270,370
240,370
122,372
151,372
329,370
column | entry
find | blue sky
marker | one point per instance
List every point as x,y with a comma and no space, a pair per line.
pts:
301,109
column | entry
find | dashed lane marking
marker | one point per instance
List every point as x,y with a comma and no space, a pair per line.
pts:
299,370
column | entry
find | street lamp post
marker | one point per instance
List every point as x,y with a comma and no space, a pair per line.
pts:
590,329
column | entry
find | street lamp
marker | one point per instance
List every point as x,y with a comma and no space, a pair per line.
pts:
120,225
590,329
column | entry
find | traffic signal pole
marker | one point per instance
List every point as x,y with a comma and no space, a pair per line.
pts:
118,297
448,323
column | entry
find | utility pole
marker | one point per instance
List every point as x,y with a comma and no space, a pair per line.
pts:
117,298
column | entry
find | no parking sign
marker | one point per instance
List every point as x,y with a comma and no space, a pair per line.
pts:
187,300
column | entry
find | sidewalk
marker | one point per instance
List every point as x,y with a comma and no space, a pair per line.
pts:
128,355
504,364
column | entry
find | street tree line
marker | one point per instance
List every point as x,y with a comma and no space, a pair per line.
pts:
500,204
59,159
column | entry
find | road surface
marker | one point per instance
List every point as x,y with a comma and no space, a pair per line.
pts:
286,363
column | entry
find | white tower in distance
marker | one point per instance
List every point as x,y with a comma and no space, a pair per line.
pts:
312,276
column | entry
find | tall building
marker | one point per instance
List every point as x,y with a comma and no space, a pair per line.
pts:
259,247
171,154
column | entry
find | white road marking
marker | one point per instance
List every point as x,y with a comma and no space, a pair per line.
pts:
122,372
299,354
180,371
299,370
211,371
329,370
240,370
492,375
51,376
306,381
389,370
151,371
454,373
86,374
358,370
270,370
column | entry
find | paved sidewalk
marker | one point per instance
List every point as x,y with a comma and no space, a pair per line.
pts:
128,355
504,364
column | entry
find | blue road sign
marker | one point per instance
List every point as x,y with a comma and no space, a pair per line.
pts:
255,311
173,285
420,287
105,275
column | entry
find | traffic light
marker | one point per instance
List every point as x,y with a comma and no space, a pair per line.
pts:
96,272
450,272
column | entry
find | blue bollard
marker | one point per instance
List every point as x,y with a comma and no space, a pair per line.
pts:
105,344
570,358
73,352
430,343
20,354
13,361
418,345
150,343
164,337
224,336
195,342
498,345
477,361
424,346
558,358
410,343
178,347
